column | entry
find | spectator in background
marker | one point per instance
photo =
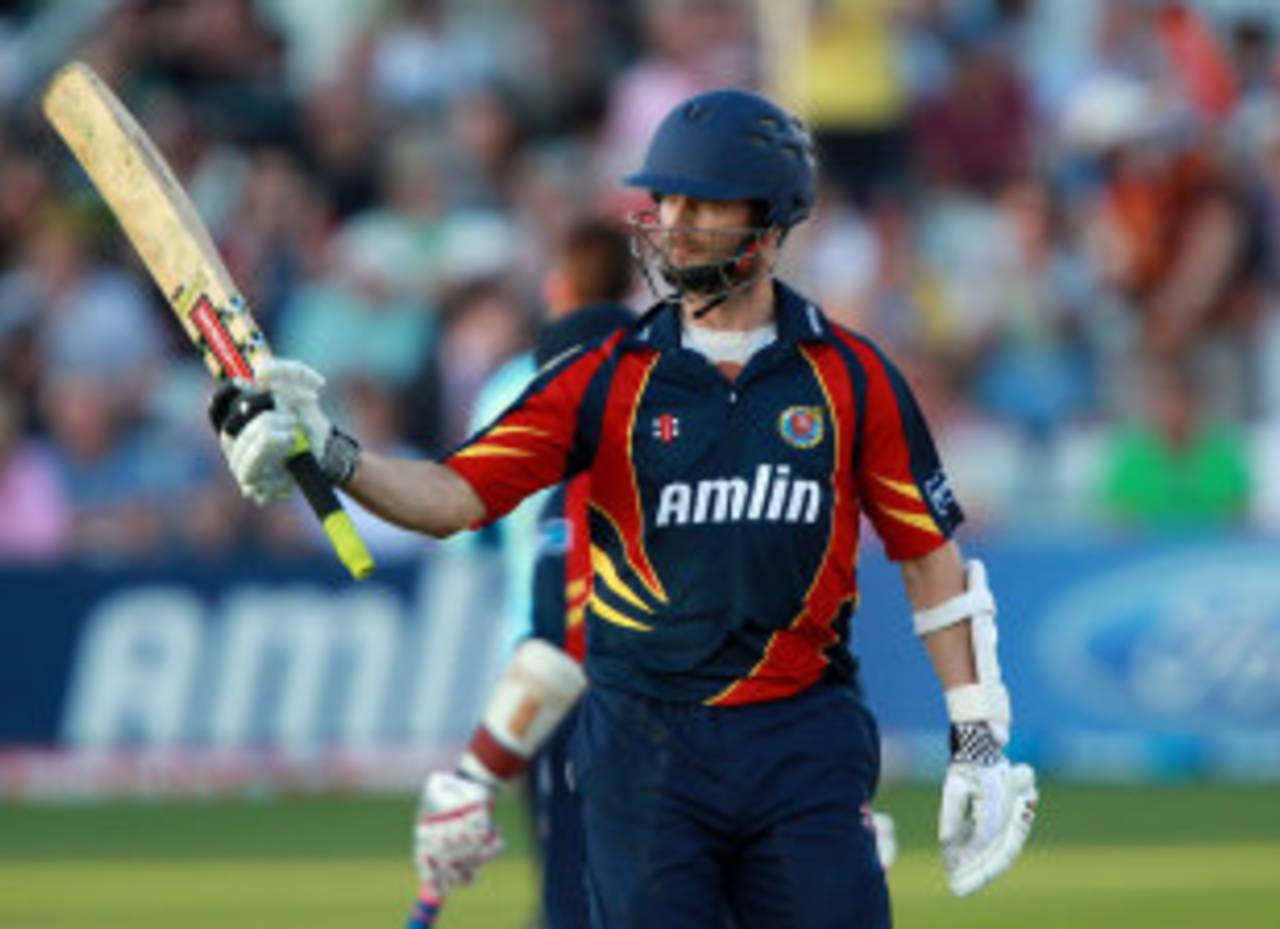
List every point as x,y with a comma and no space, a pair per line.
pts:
276,236
481,325
425,58
212,520
1254,57
975,132
91,318
363,318
1035,369
410,218
340,144
690,46
1175,467
24,192
105,467
899,305
225,59
485,132
857,99
566,95
35,515
838,259
554,185
1171,234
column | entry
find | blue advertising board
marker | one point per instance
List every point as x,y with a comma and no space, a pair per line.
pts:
1124,659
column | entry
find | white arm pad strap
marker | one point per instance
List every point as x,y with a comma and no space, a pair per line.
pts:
987,700
540,685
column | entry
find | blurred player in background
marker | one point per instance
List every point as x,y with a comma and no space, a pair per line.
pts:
584,295
733,437
592,268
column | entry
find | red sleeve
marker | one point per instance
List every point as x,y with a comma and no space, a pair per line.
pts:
536,442
901,484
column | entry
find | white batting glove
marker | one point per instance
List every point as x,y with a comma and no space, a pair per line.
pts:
256,438
455,833
257,456
988,807
886,839
296,388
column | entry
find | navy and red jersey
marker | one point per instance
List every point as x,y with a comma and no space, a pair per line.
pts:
562,569
723,515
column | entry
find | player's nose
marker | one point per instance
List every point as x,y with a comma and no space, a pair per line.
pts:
677,210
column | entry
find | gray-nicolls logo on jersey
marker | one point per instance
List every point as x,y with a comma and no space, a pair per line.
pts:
772,496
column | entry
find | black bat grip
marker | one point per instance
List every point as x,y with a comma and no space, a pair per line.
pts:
351,549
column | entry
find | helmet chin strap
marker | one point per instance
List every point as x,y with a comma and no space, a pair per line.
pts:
716,280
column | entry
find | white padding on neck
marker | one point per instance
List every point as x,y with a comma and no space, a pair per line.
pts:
735,346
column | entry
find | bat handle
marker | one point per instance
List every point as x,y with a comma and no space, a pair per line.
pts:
337,524
426,910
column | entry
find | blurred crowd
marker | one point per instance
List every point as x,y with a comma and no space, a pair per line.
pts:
1060,217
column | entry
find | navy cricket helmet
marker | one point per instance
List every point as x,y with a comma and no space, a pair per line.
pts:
733,145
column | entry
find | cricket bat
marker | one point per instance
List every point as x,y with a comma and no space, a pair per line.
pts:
165,229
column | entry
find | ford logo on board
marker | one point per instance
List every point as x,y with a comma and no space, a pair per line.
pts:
1185,642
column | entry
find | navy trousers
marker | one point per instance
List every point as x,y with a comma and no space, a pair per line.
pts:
760,811
558,826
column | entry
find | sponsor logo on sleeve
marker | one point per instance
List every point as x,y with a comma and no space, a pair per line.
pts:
936,488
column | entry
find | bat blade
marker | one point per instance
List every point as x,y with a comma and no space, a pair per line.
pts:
165,229
158,218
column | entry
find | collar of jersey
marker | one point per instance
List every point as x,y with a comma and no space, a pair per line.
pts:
797,318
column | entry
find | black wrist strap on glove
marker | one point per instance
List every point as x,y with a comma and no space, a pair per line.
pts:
340,457
974,743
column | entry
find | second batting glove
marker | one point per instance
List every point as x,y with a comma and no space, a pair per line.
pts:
455,833
988,807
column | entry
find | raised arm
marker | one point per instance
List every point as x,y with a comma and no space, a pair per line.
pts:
423,496
536,442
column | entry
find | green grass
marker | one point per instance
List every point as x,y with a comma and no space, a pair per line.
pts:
1173,858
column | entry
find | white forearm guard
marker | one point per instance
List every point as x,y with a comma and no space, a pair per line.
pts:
539,686
987,700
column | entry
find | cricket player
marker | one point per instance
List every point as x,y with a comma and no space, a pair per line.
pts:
549,574
733,437
561,584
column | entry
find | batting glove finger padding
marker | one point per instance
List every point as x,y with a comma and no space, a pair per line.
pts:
296,387
985,819
257,455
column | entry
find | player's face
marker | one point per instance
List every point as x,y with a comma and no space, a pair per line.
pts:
701,231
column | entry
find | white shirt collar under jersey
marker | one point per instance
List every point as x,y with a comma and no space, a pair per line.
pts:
728,345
